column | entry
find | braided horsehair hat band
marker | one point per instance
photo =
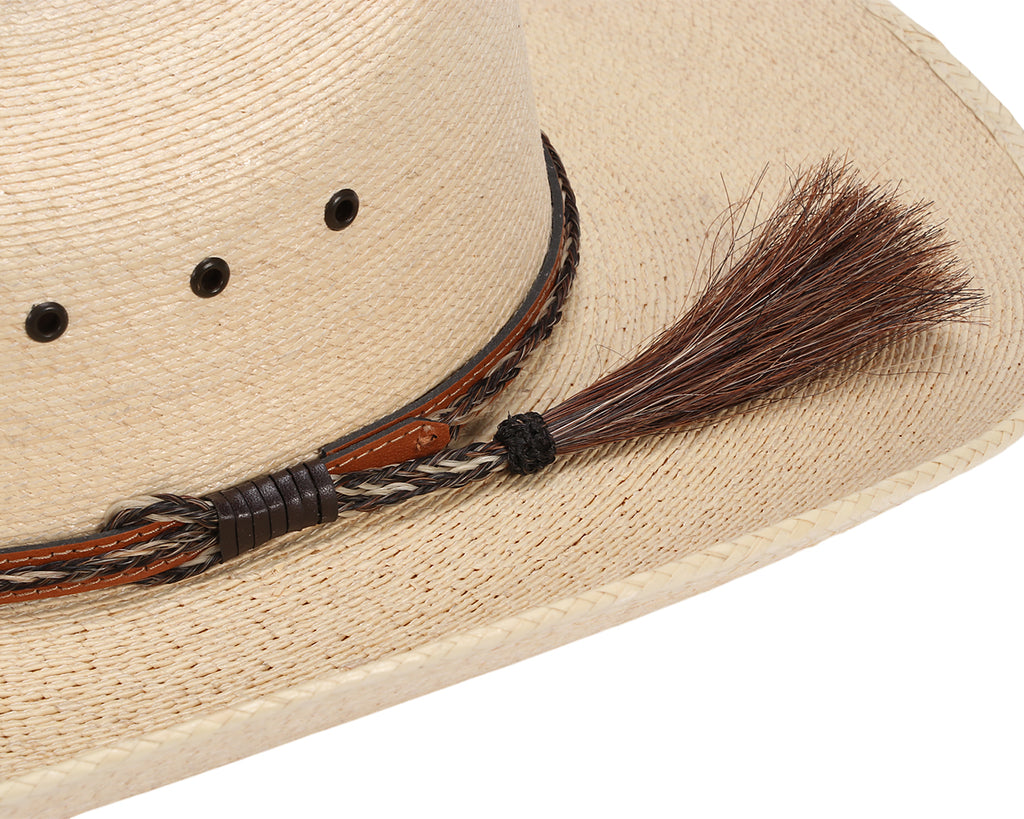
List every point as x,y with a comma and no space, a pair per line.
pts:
484,248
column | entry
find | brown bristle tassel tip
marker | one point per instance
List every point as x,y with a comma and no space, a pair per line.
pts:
840,270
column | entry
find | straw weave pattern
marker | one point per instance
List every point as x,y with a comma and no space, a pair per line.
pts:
176,738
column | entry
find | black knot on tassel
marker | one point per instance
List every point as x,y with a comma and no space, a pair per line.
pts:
529,444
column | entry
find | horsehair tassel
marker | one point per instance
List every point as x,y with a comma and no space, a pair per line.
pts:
840,270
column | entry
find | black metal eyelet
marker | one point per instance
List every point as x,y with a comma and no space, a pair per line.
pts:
46,321
210,277
341,209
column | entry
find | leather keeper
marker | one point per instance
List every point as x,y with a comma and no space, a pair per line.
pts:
252,513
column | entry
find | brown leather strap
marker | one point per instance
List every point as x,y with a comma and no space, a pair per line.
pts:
403,441
133,575
411,432
41,554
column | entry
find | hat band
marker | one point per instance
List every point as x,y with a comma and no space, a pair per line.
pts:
839,271
168,538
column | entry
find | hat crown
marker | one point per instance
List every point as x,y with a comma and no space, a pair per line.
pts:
140,140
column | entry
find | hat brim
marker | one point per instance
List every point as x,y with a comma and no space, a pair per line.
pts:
161,683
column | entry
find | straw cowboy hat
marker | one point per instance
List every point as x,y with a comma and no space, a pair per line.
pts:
261,264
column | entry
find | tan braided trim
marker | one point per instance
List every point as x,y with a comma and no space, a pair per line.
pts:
990,112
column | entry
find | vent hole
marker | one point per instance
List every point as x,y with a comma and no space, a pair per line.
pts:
341,209
210,277
46,322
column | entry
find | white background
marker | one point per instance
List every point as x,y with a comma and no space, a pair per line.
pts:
877,674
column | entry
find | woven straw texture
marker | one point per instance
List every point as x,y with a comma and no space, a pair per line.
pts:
191,143
115,692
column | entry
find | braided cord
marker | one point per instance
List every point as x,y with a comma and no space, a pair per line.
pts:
451,469
194,535
372,489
